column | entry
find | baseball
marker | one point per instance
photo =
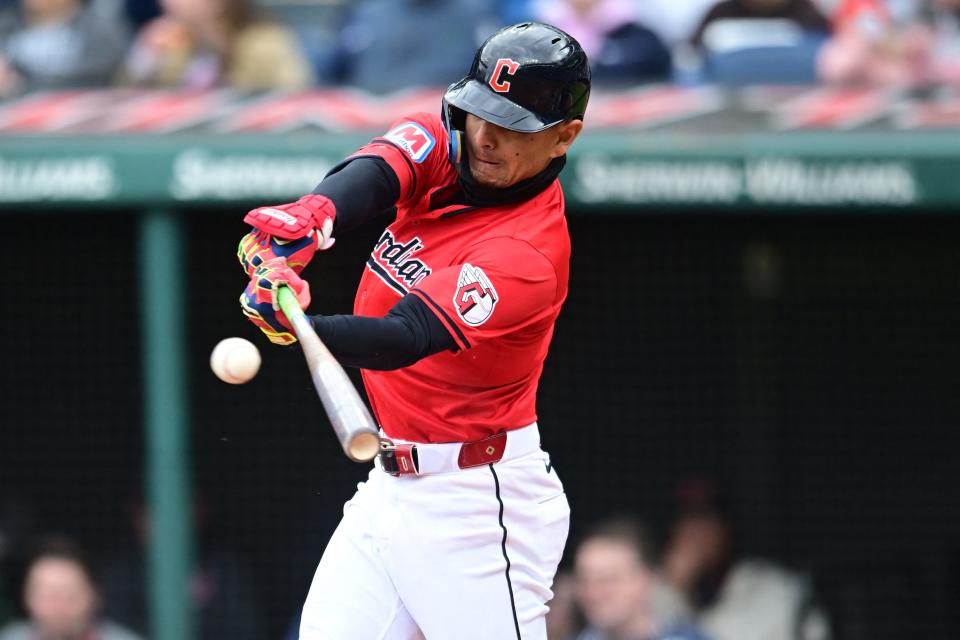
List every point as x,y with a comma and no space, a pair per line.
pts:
235,360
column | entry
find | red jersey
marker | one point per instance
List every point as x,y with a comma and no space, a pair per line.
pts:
495,277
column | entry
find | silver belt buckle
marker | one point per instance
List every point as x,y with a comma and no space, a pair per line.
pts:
388,457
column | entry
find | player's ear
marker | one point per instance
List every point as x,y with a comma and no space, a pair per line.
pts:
567,131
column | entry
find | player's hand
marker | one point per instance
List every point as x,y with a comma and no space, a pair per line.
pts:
295,231
297,219
259,300
273,323
258,247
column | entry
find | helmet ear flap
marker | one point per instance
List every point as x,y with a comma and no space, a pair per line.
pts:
456,147
455,120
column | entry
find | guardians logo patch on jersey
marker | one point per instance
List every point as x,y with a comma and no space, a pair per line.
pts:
475,298
412,138
393,261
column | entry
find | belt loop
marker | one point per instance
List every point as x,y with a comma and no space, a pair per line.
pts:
480,452
399,459
407,460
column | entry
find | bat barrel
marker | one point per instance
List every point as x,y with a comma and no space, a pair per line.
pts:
352,423
348,415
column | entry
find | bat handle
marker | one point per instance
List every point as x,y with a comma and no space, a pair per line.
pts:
290,306
298,319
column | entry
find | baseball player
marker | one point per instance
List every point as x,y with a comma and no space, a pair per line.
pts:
459,528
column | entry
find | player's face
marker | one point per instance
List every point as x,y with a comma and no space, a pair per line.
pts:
500,158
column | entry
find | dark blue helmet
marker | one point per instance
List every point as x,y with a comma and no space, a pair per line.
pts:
526,77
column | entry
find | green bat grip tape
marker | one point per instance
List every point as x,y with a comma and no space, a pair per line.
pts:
288,303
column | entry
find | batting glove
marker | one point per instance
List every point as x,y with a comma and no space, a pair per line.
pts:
295,231
258,247
294,220
259,300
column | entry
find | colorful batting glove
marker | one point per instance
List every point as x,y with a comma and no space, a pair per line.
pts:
258,246
295,231
272,323
259,300
294,220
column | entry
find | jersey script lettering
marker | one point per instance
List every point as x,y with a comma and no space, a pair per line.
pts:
392,260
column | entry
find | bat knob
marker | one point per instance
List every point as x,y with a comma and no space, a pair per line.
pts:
364,446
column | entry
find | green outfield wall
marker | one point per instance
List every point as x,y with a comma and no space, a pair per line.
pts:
627,170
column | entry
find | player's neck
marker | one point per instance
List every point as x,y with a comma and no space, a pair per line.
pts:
476,194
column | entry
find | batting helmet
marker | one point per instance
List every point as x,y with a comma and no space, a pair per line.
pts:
526,77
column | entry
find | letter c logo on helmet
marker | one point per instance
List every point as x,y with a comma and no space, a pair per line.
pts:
503,65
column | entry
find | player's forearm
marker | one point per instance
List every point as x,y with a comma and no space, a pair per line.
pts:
409,333
369,343
361,189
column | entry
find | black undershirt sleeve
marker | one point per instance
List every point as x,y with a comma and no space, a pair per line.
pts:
361,189
407,334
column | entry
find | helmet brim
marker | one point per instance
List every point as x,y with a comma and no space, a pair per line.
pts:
476,98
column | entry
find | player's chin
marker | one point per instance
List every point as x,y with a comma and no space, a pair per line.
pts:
487,178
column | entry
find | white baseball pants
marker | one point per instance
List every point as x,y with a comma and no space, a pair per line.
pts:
455,555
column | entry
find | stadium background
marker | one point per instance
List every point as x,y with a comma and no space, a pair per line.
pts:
799,344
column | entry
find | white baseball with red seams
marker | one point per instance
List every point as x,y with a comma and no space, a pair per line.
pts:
235,360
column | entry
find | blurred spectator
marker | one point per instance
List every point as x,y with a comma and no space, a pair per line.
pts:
875,45
388,45
673,21
140,12
221,586
945,63
616,587
761,42
620,49
734,598
57,43
317,26
61,596
201,44
803,13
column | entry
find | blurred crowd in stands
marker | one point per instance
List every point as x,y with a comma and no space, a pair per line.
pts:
54,588
684,577
62,597
692,582
387,45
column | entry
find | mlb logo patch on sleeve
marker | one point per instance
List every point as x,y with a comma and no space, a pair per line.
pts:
412,138
475,298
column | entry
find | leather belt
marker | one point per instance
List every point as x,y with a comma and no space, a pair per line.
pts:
404,459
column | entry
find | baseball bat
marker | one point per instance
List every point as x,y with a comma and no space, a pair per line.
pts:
355,429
